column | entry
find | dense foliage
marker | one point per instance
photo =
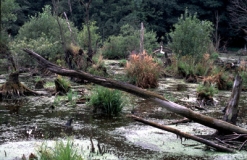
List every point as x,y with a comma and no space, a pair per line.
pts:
43,34
157,15
126,42
191,36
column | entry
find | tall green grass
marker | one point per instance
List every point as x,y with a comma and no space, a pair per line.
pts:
108,101
61,151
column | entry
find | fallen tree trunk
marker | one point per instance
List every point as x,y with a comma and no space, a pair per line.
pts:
183,134
171,106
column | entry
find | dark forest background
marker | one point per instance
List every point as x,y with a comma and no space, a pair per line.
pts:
157,15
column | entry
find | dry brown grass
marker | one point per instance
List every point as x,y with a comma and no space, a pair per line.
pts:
143,71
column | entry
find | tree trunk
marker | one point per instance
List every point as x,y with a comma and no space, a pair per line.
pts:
171,106
231,110
13,88
141,39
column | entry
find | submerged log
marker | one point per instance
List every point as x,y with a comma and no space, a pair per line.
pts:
183,134
159,99
231,110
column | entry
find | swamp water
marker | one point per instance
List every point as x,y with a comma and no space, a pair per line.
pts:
121,137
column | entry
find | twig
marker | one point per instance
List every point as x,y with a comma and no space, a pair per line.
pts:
240,148
185,120
228,145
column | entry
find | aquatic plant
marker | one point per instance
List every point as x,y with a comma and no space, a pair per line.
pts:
57,101
122,62
207,89
170,97
37,79
49,84
107,101
143,71
62,84
72,97
61,151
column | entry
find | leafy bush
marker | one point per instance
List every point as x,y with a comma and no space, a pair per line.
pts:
121,46
108,101
143,71
208,89
42,34
41,45
190,36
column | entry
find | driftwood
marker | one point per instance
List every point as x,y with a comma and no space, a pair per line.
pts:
183,134
159,99
231,110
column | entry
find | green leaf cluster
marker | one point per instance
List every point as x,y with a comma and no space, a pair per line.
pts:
7,10
190,36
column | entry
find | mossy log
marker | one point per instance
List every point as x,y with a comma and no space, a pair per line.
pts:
14,88
158,99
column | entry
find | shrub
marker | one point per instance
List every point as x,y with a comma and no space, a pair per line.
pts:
83,35
108,101
42,34
42,45
118,47
143,71
190,36
186,65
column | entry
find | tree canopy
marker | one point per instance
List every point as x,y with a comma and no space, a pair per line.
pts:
158,15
